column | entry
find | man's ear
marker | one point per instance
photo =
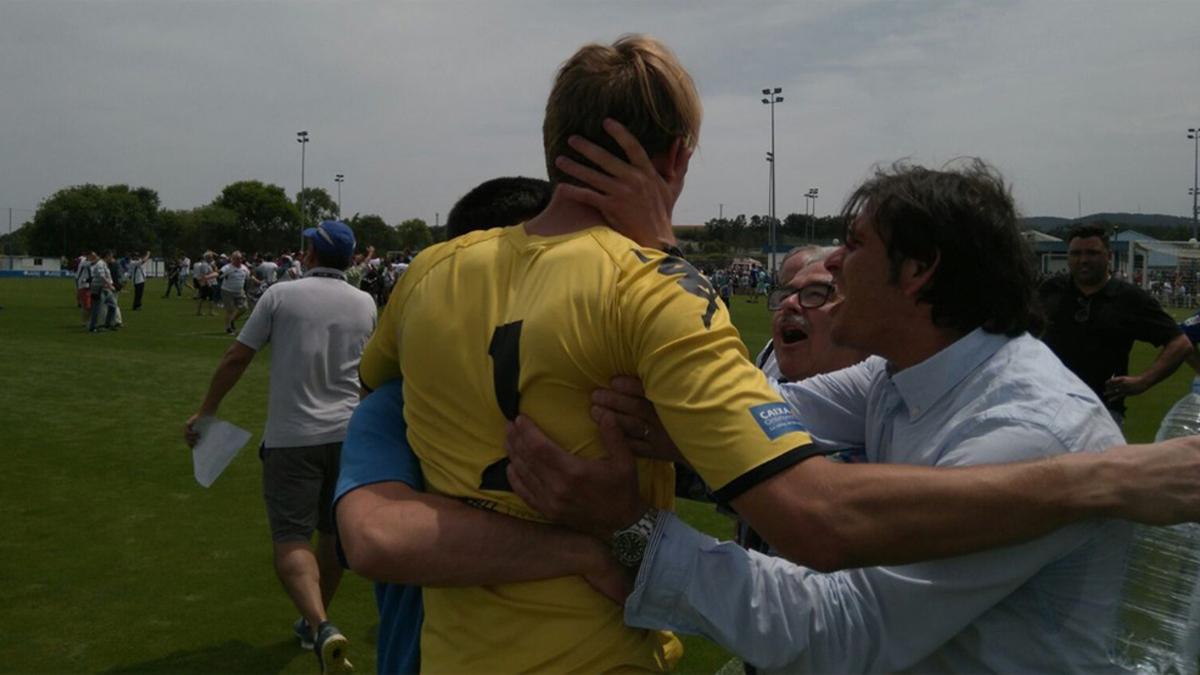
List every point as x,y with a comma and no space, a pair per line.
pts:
916,275
678,158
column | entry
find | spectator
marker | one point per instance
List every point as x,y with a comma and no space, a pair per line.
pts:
317,320
1092,321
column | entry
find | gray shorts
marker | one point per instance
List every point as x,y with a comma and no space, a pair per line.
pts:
233,300
298,485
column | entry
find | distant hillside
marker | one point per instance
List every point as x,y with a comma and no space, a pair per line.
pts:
1140,220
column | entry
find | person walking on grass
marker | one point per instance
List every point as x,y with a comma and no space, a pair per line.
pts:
137,273
103,293
83,284
234,277
175,272
317,326
202,280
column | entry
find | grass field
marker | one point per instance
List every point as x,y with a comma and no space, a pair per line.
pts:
116,560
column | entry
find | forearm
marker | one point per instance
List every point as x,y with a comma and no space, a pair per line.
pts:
1168,360
840,516
228,372
1193,360
780,616
424,539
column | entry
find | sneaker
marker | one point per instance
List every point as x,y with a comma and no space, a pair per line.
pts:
330,648
303,633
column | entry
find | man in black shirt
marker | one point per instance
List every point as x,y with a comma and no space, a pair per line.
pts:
1092,321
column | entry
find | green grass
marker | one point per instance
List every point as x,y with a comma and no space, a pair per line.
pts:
116,560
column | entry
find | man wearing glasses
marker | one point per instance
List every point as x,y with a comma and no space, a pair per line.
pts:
1092,321
800,346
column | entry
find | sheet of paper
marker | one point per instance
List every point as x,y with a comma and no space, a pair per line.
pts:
219,443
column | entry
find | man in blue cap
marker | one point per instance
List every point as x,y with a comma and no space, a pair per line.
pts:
318,326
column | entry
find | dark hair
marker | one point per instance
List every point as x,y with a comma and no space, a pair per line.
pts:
1087,231
498,202
962,220
330,260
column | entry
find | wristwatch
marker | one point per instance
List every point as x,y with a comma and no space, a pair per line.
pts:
629,544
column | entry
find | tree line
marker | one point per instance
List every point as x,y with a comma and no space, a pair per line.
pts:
247,215
254,216
750,234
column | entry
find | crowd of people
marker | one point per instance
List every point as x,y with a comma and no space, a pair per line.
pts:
233,281
922,484
99,281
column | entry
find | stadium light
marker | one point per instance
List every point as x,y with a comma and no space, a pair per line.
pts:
812,194
339,179
772,97
1194,134
302,139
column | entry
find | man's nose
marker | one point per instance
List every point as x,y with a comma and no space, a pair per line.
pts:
833,263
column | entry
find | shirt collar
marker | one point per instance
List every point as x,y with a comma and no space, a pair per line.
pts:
325,272
922,385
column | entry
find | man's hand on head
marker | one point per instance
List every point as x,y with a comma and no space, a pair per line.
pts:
593,496
634,198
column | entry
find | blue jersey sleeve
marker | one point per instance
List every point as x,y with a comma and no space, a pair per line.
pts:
1191,327
376,448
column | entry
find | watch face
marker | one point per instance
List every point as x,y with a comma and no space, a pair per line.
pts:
629,547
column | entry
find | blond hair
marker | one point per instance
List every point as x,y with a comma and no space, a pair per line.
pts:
636,81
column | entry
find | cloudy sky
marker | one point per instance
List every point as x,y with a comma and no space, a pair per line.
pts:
416,102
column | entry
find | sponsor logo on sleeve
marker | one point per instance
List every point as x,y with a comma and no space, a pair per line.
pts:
776,419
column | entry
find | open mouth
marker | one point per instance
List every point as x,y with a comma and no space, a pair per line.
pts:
793,335
793,329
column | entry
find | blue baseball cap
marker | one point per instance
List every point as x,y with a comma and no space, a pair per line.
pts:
332,237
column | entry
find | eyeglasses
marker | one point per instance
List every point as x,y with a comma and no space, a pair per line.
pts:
1084,311
811,296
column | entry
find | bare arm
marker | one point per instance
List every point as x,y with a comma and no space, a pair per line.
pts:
1193,360
1169,358
229,371
827,515
393,533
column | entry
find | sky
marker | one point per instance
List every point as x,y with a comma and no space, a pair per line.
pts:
1083,102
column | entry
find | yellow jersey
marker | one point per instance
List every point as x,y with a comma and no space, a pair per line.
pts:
499,322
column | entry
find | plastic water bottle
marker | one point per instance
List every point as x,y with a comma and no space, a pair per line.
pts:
1159,626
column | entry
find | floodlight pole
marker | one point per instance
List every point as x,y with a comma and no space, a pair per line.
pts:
772,97
339,179
302,139
812,223
770,207
1194,134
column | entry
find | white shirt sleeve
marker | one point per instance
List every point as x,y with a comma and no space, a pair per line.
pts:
832,406
776,615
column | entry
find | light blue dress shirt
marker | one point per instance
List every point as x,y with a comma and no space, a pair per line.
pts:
1047,605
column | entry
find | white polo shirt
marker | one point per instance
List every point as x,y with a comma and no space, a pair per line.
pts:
317,327
266,271
200,270
233,278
